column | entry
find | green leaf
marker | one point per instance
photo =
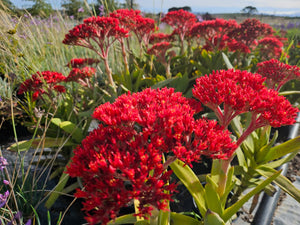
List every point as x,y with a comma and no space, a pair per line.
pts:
191,182
46,142
232,210
284,183
260,155
230,183
56,192
163,217
70,128
212,218
283,160
282,149
284,93
126,219
212,198
227,62
180,219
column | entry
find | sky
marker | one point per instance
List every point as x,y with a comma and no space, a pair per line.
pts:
275,7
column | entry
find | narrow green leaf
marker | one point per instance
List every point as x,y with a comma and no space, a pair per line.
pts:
260,155
47,142
285,93
163,218
57,190
232,210
180,219
212,218
283,149
227,62
191,182
230,182
126,219
212,199
275,164
284,183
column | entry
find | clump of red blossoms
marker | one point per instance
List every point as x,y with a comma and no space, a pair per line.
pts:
160,37
102,30
80,74
213,31
82,62
127,17
45,82
270,47
277,73
249,32
160,51
230,93
122,159
181,21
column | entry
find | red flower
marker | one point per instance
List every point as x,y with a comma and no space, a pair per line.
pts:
213,31
270,47
127,17
101,30
143,29
43,83
159,50
160,37
230,93
80,74
250,31
121,160
80,62
277,73
181,21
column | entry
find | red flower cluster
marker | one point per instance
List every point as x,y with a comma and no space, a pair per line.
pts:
43,83
121,160
161,37
277,73
78,74
239,92
214,31
102,30
270,47
159,50
127,17
249,32
80,62
181,21
133,21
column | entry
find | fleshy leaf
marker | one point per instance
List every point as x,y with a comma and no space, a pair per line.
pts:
191,182
229,212
284,183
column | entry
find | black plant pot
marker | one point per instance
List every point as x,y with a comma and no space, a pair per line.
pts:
268,204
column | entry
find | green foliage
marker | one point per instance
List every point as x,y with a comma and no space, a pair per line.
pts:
40,8
76,8
109,5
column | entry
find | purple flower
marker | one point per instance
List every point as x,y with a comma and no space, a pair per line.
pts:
101,9
3,198
81,9
3,163
6,182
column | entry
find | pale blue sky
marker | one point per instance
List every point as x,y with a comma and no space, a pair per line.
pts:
276,7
